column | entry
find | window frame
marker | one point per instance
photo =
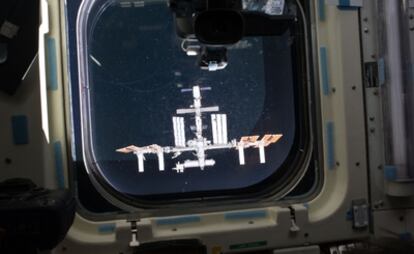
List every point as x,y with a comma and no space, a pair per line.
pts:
268,196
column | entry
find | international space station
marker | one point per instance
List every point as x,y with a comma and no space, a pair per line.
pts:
199,145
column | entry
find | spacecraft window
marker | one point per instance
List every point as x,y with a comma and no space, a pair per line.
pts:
157,128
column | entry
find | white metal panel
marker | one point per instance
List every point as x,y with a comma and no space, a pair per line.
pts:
161,165
241,155
224,128
179,131
219,128
140,158
262,154
214,128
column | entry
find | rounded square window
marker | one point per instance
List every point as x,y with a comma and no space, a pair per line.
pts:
166,119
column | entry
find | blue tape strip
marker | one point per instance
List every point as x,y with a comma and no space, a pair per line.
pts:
324,70
406,236
52,81
347,8
106,228
344,3
381,71
321,10
20,130
178,220
347,5
246,215
330,145
60,176
390,172
349,215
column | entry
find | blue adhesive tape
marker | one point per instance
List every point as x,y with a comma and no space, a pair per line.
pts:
349,215
20,129
321,10
52,80
344,3
106,228
347,8
178,220
324,70
390,172
330,144
406,236
246,215
60,176
348,5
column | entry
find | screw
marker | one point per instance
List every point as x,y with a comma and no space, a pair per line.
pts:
333,89
365,19
337,164
372,118
357,164
353,87
373,56
8,161
376,92
372,130
366,30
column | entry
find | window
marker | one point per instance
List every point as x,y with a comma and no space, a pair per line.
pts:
135,75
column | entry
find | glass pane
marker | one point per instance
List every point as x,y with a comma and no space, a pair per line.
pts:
139,76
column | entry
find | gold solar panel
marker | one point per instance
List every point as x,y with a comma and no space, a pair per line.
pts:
248,139
271,138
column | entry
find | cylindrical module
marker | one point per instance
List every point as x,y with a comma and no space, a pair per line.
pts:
394,91
398,96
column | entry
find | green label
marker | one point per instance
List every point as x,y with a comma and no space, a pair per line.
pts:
248,245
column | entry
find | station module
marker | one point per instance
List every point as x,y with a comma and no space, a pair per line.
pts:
199,145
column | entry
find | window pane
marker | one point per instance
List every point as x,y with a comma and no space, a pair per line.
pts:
137,73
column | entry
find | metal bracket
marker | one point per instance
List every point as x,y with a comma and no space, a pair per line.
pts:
360,214
134,234
294,227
